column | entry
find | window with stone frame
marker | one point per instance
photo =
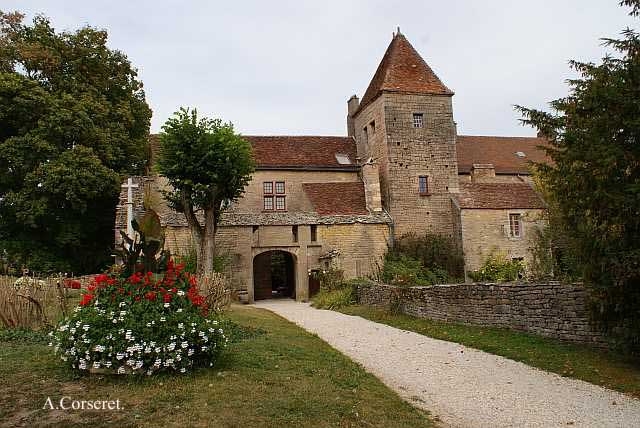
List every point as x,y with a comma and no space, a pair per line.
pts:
515,225
423,184
274,196
418,120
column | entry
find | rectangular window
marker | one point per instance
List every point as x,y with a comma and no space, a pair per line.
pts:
423,185
280,187
515,225
314,233
267,186
268,203
365,135
280,203
294,232
372,125
418,121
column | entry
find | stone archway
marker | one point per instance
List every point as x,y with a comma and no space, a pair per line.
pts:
274,275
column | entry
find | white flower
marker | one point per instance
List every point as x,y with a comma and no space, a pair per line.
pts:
85,327
152,344
167,304
73,330
204,348
180,325
184,344
114,321
99,348
171,346
180,293
148,324
121,370
190,352
120,356
96,364
182,370
162,319
149,372
122,304
108,364
179,310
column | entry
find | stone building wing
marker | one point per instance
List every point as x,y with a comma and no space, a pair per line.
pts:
346,198
402,69
304,152
508,155
498,196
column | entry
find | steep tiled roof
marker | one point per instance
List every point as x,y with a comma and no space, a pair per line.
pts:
343,198
502,152
497,196
402,69
296,152
301,152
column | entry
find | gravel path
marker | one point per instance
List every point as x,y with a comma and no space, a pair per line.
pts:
463,387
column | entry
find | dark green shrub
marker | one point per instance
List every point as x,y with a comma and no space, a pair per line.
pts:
437,253
334,299
499,269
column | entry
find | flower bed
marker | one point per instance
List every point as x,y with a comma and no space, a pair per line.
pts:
145,323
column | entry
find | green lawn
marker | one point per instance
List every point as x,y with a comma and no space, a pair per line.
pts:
280,376
580,362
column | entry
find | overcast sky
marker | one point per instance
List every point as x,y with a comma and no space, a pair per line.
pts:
288,67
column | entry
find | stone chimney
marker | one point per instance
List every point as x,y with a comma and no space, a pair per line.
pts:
483,173
352,107
371,179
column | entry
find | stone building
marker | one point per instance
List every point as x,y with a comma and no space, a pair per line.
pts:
318,201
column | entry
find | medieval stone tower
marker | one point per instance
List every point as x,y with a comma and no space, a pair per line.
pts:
405,125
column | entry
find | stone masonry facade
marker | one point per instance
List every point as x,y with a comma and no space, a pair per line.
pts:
552,310
341,201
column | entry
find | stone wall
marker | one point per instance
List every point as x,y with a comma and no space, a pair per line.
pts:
548,309
483,232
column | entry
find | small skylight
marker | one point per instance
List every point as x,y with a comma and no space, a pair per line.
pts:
343,159
521,154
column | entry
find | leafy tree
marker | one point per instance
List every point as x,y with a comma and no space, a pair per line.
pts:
208,166
74,120
594,135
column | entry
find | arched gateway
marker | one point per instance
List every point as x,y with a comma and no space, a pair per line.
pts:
274,275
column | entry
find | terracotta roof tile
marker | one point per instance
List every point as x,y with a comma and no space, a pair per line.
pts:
402,69
302,151
498,196
342,198
292,151
502,152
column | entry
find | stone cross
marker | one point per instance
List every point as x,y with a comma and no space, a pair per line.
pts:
129,186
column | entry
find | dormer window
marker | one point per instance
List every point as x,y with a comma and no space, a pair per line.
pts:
343,159
418,120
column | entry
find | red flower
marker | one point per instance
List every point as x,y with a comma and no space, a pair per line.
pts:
86,299
151,295
99,279
136,278
166,298
91,288
137,298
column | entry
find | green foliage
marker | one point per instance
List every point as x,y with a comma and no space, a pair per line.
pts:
400,269
330,279
208,166
74,119
144,253
334,299
499,269
436,252
594,136
21,335
140,324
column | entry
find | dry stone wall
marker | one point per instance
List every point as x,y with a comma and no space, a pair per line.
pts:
549,309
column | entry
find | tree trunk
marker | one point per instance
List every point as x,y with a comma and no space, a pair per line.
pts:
208,241
196,230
